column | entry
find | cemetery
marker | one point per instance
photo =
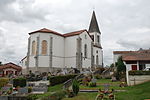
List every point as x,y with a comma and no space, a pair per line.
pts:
75,86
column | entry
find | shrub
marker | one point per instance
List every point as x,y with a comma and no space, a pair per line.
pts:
75,87
32,97
139,72
29,89
54,80
98,76
3,81
92,84
21,82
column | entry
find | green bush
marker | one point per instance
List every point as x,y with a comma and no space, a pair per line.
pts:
139,72
91,84
3,81
98,76
54,80
19,82
75,87
32,97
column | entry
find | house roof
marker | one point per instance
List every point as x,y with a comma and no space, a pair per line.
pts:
136,57
94,24
11,65
45,30
140,55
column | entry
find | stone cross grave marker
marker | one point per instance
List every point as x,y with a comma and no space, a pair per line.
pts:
23,90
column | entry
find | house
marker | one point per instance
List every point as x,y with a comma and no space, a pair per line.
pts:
10,68
134,60
49,50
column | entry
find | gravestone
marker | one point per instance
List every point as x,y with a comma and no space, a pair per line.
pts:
44,78
106,87
43,84
113,79
93,80
31,84
39,89
23,90
5,88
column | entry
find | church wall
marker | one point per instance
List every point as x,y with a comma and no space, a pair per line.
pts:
58,50
70,51
32,57
99,53
86,62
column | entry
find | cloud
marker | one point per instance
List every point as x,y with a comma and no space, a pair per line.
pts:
124,24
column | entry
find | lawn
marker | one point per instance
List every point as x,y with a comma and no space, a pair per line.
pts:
55,88
83,96
138,92
100,84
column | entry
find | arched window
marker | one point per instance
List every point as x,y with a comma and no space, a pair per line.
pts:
97,60
33,48
85,50
44,47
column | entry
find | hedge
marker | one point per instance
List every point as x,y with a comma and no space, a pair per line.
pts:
54,80
139,72
3,81
19,82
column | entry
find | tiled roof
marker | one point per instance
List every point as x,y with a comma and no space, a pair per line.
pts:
74,33
10,65
122,52
44,30
139,55
136,57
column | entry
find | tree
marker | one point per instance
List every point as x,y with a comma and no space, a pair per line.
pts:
112,65
75,87
120,65
121,68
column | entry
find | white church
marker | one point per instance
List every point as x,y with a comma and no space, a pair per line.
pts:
49,50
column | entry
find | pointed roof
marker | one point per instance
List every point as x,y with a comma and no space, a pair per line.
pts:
93,24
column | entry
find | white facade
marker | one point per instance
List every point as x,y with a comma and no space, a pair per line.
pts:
72,50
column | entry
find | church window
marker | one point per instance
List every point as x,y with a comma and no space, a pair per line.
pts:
98,39
85,50
93,60
97,51
44,47
33,48
97,62
85,36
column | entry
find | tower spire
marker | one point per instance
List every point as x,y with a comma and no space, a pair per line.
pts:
93,24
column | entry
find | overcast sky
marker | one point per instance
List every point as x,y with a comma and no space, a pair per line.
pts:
124,24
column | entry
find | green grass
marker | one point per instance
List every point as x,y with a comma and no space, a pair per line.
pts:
50,90
100,84
138,92
55,88
83,96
